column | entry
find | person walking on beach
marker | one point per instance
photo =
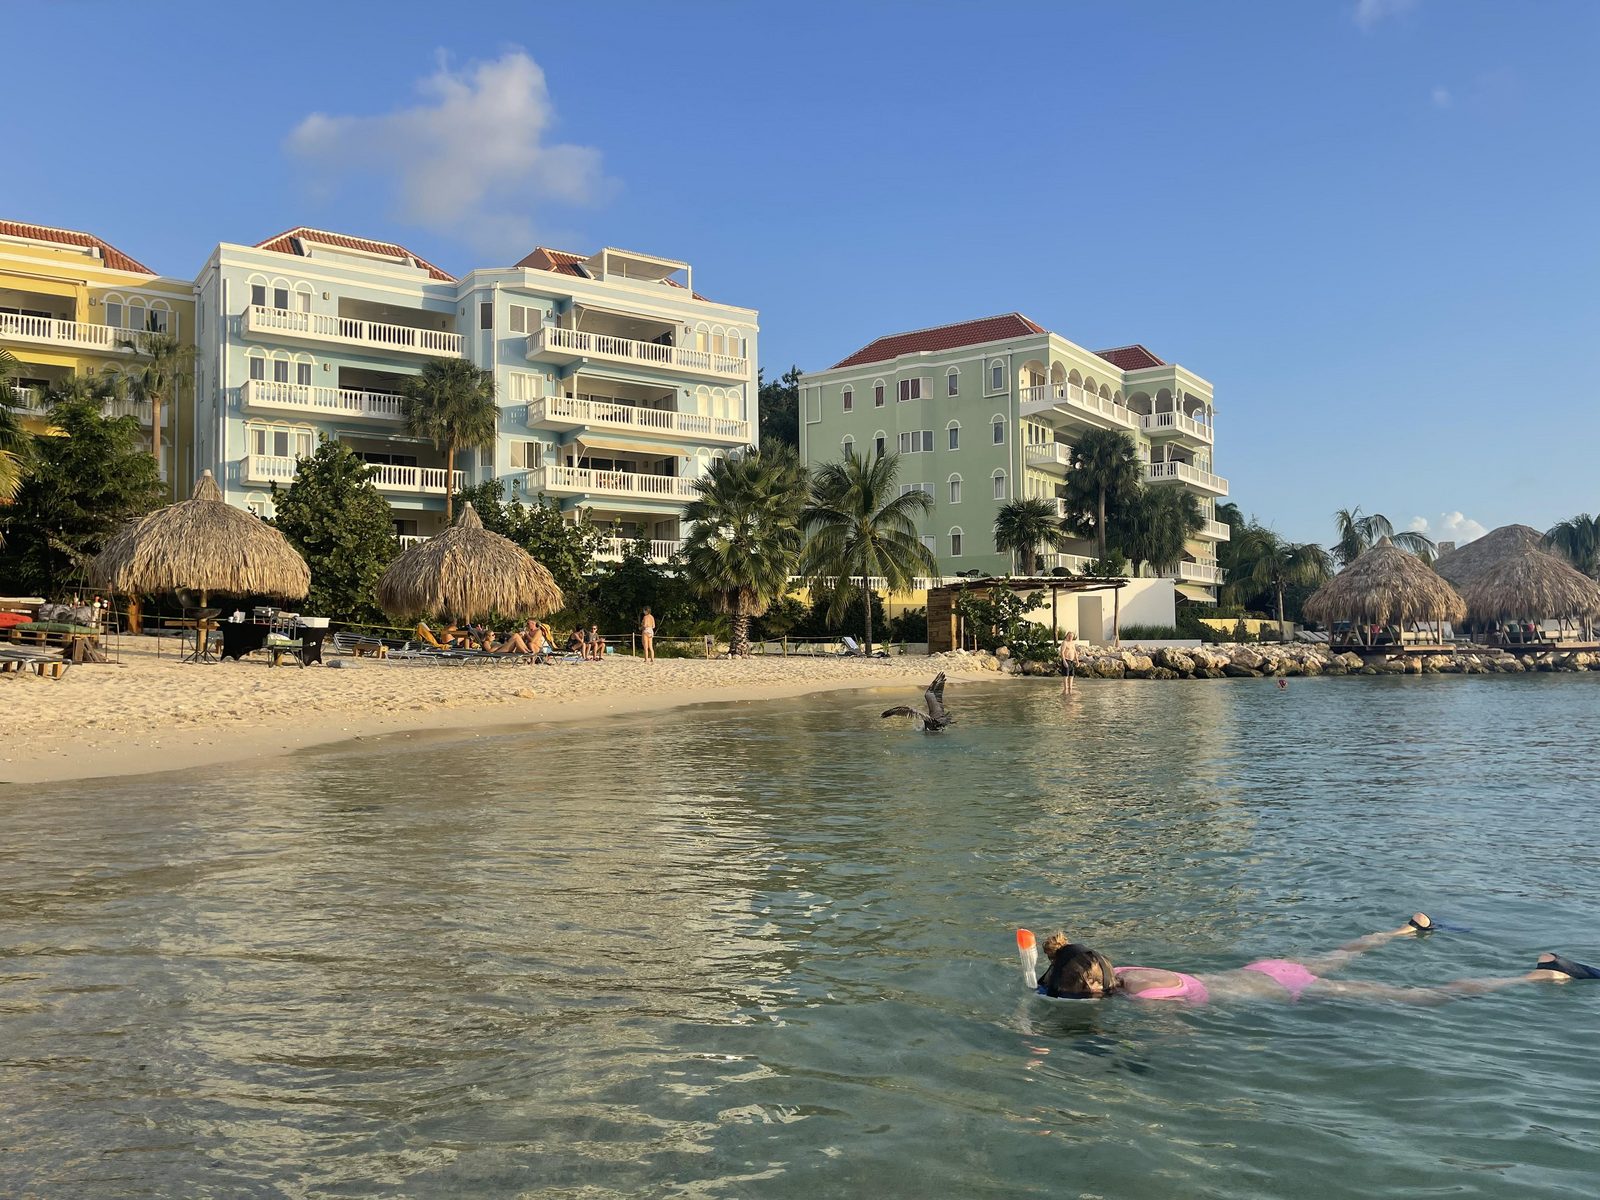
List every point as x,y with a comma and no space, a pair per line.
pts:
1069,662
647,634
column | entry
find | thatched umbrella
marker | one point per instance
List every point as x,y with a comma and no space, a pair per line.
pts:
1386,586
203,545
466,572
1532,585
1461,567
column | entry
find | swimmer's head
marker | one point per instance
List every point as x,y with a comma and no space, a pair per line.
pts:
1053,943
1079,972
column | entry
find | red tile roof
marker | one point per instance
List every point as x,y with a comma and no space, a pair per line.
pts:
1130,358
563,263
943,337
109,254
284,243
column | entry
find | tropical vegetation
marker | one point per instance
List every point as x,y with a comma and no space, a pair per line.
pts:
1104,478
1022,526
15,443
747,533
1359,532
1578,540
779,405
1153,524
1269,563
862,527
451,403
163,368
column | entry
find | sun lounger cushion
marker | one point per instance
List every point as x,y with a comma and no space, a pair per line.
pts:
7,620
55,627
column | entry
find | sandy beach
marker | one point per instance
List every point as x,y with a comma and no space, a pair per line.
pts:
152,713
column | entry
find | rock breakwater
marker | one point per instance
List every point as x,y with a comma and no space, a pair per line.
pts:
1239,661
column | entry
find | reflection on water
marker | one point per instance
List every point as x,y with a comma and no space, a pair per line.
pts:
744,950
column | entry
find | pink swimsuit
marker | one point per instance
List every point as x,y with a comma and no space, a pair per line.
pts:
1291,976
1189,988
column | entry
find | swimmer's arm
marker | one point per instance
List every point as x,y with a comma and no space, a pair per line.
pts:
1144,978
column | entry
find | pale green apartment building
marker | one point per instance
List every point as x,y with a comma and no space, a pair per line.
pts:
983,412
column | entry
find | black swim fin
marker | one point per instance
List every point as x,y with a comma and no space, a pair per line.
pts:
1554,962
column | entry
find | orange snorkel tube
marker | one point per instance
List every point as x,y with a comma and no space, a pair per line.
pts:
1029,955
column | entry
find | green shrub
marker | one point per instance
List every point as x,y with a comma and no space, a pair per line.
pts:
1151,633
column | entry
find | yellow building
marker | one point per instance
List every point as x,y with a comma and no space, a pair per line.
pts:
69,303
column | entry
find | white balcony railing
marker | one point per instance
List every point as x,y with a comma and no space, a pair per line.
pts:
660,550
1076,400
1198,572
140,410
1216,531
412,539
28,400
80,335
1156,424
570,411
573,343
1168,472
268,468
583,480
426,481
1078,564
325,401
325,327
1049,455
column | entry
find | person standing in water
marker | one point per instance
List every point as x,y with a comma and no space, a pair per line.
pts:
647,634
1069,662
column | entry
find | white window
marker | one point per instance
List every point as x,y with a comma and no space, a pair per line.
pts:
878,445
519,318
114,313
999,485
280,370
954,484
998,431
916,441
258,366
302,374
952,382
280,297
849,447
954,430
280,441
485,315
849,400
930,543
925,488
527,456
302,298
486,457
955,543
997,377
877,394
136,315
160,321
526,386
258,295
910,389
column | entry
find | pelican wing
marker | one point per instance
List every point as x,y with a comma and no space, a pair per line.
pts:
935,698
905,710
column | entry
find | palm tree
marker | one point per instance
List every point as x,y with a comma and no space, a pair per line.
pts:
451,403
1154,527
1269,562
14,440
1022,526
1578,539
746,533
1359,532
164,366
859,525
1104,477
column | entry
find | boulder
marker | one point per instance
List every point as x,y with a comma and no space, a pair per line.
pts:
1351,660
1107,668
1136,666
1243,656
1312,666
1162,673
1239,671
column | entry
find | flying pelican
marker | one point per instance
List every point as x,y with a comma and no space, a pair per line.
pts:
935,719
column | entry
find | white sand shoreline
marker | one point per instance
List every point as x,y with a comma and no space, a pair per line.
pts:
150,714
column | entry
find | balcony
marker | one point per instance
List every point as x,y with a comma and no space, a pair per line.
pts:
569,345
260,395
1170,424
408,540
75,335
1049,456
1078,564
349,331
418,481
1198,572
268,468
567,412
579,481
1215,531
660,551
26,400
140,410
1180,472
1071,401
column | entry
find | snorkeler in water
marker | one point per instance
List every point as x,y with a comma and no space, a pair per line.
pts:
1078,972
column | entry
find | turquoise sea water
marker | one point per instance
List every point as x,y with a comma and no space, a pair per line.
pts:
767,951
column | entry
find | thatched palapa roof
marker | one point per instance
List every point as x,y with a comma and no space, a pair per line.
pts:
202,544
1462,567
1532,585
1386,586
467,573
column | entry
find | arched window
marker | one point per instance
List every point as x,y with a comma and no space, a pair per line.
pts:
702,337
879,443
953,433
877,393
997,376
280,293
304,364
955,543
259,503
302,297
999,485
280,366
138,314
849,398
848,446
952,381
954,484
997,429
256,360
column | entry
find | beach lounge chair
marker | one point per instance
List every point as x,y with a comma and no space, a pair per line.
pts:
19,659
849,648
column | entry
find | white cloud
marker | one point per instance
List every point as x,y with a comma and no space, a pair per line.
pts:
1454,527
1370,13
1442,98
470,161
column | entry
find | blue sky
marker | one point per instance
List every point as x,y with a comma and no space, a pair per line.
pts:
1370,223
